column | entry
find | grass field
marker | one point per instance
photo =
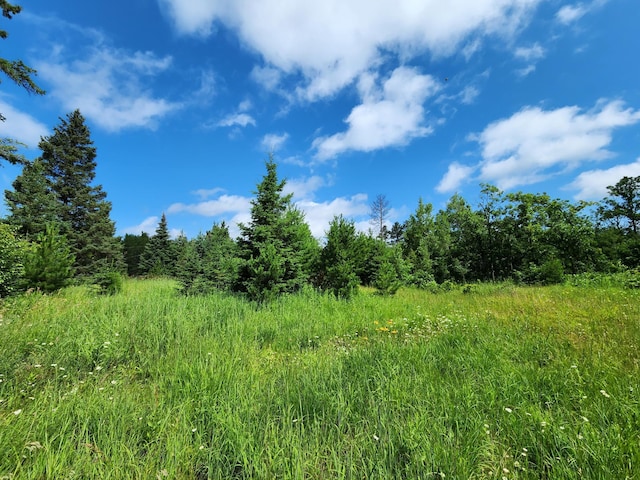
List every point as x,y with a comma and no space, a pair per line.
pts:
503,382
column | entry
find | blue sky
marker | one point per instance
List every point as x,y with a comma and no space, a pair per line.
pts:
407,98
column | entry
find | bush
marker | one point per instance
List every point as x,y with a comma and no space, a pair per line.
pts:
13,253
109,282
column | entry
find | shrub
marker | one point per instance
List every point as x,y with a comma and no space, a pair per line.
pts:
109,282
13,253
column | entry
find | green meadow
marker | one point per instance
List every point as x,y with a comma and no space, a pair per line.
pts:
488,382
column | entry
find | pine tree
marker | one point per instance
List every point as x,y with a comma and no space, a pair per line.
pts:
68,158
50,266
32,203
276,246
158,255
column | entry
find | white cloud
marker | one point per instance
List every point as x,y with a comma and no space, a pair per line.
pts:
592,185
204,193
237,119
531,55
272,142
319,214
148,225
107,86
333,42
456,175
534,144
212,208
570,13
528,54
304,188
21,126
523,72
390,115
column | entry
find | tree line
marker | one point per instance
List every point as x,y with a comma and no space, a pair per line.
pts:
524,237
59,229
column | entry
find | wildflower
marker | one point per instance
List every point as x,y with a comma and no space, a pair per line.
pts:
375,322
37,365
585,419
605,394
201,447
376,437
194,430
113,382
508,410
61,368
394,331
574,366
17,412
98,368
54,365
580,437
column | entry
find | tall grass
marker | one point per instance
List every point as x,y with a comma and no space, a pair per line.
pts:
500,382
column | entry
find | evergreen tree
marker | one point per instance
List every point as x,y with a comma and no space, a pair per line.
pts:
32,203
418,243
336,265
158,256
276,247
68,158
133,246
50,266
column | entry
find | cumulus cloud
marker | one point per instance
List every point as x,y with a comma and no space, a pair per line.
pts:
534,144
319,214
21,126
456,175
108,86
331,43
211,208
592,184
148,225
390,114
304,188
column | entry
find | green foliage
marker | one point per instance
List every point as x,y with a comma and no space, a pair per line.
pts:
50,266
13,253
109,282
32,203
337,259
276,248
387,282
158,257
133,247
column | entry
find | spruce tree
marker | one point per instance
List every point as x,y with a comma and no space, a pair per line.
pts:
276,246
158,255
68,158
32,203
